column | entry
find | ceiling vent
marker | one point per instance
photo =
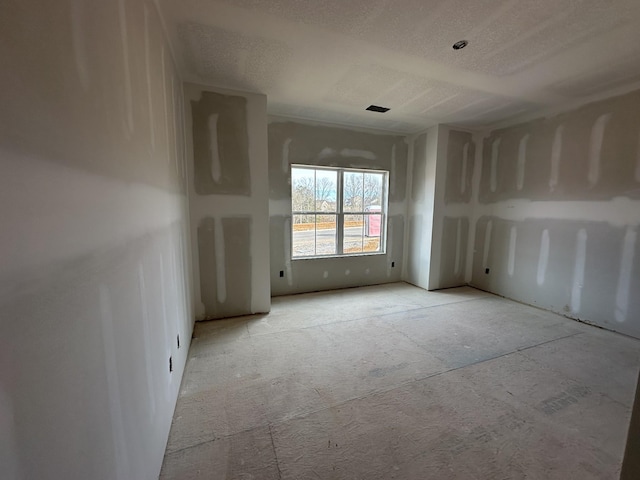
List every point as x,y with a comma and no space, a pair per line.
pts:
460,45
376,108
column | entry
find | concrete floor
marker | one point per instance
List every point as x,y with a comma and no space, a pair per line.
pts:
392,381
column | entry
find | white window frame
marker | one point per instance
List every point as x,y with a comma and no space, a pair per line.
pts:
340,213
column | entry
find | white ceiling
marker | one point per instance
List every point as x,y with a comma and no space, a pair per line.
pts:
329,60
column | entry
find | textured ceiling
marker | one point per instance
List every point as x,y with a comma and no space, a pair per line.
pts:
328,60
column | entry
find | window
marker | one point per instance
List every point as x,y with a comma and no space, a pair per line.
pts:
338,211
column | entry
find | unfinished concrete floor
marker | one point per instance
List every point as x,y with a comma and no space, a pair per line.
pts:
392,381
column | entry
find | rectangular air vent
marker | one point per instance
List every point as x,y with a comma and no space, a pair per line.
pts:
376,108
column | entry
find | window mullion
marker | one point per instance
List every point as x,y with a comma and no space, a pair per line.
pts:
340,215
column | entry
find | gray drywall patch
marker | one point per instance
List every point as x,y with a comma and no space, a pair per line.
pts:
220,145
460,162
225,291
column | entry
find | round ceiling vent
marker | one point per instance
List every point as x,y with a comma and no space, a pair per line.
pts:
460,45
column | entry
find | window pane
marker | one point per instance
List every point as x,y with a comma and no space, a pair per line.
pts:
326,235
326,183
373,192
302,190
304,236
353,229
352,191
372,233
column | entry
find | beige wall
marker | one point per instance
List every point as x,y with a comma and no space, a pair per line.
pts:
94,282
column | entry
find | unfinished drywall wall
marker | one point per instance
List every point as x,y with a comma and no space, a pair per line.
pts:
439,209
420,207
558,214
309,144
228,200
94,284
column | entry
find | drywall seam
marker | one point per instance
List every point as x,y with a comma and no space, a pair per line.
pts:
392,173
543,257
472,207
618,212
463,175
407,209
287,250
456,264
638,159
578,271
174,124
147,63
522,160
495,151
221,282
213,147
168,39
440,154
128,89
595,148
624,278
78,35
164,102
487,244
513,236
285,155
556,153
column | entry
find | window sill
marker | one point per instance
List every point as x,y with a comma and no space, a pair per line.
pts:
347,255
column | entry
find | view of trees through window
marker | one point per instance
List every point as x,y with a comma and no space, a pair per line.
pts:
337,211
